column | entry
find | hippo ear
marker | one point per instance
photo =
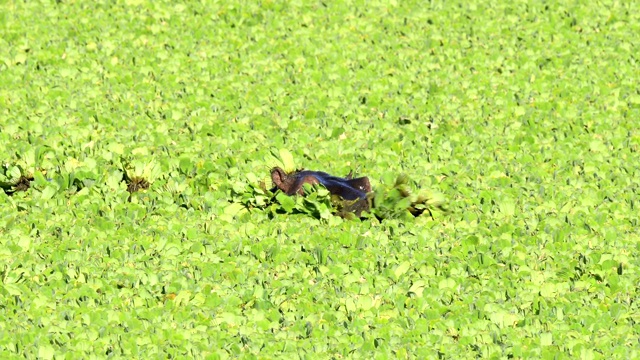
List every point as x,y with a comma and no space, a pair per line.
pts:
361,184
278,177
349,175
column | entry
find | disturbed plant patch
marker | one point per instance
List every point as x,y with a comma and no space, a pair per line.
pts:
399,198
138,175
320,194
22,184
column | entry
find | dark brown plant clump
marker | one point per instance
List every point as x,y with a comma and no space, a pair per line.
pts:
23,184
136,184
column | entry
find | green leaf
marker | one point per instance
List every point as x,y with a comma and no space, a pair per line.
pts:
14,173
286,201
233,209
548,290
418,287
12,289
45,352
287,160
546,339
401,269
471,241
447,283
47,193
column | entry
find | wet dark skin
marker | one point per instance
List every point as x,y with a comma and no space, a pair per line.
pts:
347,188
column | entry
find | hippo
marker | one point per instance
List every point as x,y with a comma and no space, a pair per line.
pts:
354,192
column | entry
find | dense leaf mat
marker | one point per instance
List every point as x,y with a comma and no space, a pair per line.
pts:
524,115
